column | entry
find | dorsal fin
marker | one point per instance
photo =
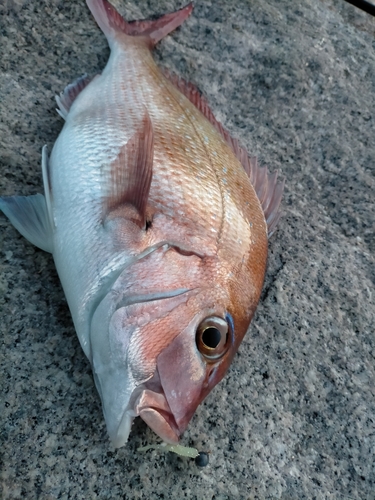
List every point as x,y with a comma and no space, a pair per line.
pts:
131,173
112,23
265,184
69,94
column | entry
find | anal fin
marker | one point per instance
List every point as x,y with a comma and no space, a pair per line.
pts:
29,215
131,175
70,93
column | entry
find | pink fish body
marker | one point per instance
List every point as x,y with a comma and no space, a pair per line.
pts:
157,221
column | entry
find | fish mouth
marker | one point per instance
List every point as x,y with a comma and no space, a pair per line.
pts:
151,404
154,410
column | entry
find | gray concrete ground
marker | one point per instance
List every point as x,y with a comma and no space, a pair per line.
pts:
295,417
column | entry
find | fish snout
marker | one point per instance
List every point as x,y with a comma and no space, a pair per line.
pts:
179,380
155,410
169,400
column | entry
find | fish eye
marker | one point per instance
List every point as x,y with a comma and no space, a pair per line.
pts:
212,338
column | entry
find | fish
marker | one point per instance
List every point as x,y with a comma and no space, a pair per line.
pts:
158,223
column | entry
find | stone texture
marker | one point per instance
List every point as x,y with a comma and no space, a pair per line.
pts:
295,417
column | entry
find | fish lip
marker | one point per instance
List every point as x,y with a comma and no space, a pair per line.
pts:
151,404
154,409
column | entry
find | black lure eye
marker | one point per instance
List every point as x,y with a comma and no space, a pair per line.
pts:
212,338
202,459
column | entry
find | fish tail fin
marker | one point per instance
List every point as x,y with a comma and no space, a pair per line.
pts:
112,23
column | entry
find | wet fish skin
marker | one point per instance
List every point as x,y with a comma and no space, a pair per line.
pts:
154,227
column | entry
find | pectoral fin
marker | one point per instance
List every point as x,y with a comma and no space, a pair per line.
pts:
29,216
131,175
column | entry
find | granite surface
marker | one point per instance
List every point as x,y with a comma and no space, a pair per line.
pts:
295,416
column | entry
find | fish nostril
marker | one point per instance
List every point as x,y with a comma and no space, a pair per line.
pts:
211,376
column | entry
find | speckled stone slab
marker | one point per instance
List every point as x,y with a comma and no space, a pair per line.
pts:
295,417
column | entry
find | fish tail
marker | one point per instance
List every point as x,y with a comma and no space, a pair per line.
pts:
113,24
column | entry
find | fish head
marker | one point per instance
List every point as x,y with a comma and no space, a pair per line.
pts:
211,326
174,321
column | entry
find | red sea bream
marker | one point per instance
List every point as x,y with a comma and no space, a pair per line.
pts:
158,223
